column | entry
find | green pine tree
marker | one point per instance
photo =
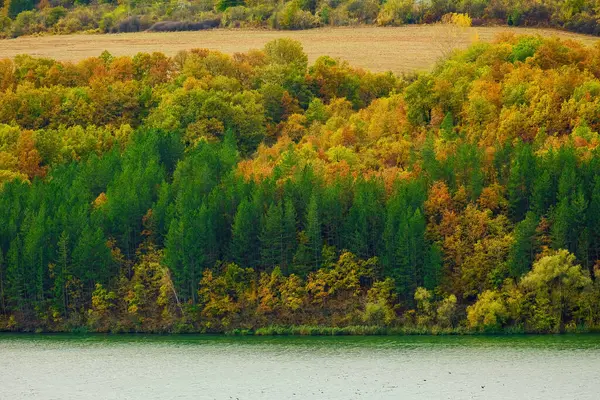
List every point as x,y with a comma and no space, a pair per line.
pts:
2,280
289,234
313,232
15,279
525,246
61,273
272,238
245,245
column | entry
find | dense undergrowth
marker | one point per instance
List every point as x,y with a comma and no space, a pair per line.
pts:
28,17
256,194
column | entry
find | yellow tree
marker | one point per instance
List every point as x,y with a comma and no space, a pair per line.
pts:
555,284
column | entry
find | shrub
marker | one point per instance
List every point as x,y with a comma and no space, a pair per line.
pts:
109,20
26,23
489,313
132,24
129,24
363,11
378,314
68,25
525,48
261,13
86,17
446,312
293,17
325,15
223,5
583,23
236,16
338,17
79,19
5,26
107,23
535,15
174,26
243,16
397,12
52,15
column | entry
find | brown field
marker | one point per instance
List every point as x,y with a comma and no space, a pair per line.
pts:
402,49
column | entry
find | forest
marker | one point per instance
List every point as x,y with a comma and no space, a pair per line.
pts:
31,17
255,193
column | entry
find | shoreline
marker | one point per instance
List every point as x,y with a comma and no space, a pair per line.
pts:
315,331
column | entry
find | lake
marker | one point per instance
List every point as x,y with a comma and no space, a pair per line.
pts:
132,367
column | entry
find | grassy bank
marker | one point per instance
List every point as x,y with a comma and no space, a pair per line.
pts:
370,330
354,330
319,330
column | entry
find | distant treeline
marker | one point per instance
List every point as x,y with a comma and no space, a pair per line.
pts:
213,193
27,17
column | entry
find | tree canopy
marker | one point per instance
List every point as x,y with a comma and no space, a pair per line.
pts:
213,193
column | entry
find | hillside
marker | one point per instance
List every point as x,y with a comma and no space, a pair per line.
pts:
213,193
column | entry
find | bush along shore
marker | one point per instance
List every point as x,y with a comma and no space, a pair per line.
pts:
255,193
274,305
29,17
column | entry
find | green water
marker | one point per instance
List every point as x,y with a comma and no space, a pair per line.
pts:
218,367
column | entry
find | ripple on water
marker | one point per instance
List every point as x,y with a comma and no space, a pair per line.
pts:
218,367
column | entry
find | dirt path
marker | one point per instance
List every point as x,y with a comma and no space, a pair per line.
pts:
401,49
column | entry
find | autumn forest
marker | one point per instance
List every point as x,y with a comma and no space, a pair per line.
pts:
255,193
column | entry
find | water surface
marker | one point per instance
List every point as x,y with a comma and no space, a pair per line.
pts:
64,367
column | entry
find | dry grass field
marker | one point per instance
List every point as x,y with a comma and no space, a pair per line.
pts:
401,49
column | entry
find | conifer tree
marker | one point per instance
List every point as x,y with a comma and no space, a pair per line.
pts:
432,270
245,244
191,247
2,283
364,224
61,273
411,252
92,261
522,172
525,246
272,237
174,259
593,220
289,234
15,7
313,232
15,285
542,196
34,259
310,243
